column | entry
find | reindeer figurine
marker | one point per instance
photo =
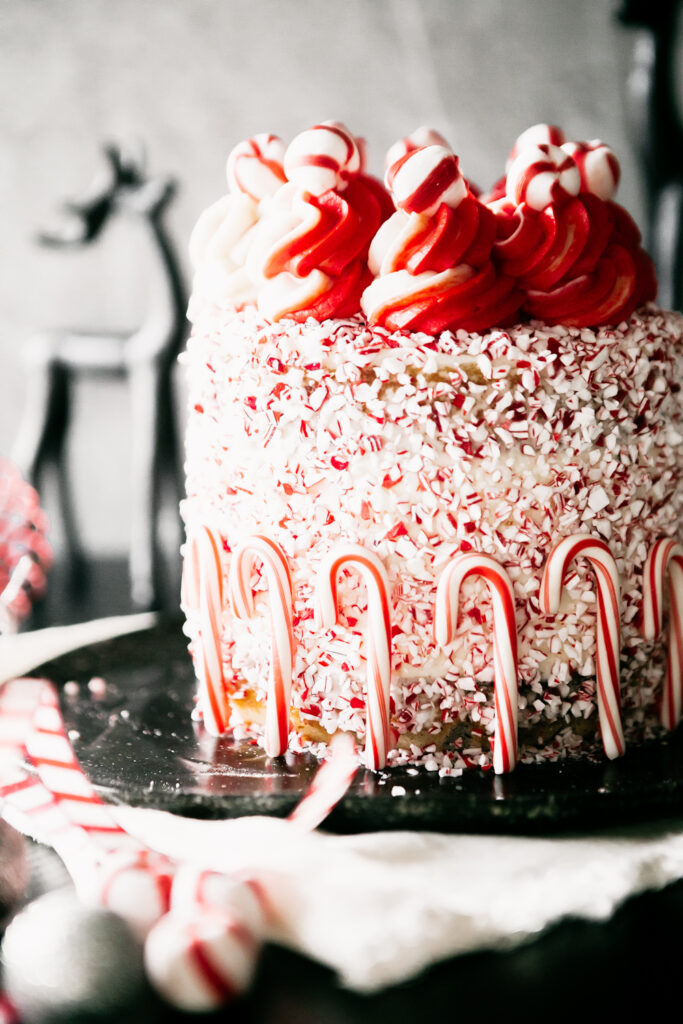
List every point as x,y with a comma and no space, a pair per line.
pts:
144,358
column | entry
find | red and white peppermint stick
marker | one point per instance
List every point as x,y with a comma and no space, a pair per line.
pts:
256,166
202,593
608,630
536,135
60,809
330,784
19,699
377,637
48,747
423,179
542,175
598,167
473,563
25,802
665,560
322,158
421,137
280,601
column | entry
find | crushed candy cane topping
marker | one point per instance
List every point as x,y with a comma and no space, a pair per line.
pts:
420,448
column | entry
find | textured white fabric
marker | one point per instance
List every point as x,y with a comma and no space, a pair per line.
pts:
380,907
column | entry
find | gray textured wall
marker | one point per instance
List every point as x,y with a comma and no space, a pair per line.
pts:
192,77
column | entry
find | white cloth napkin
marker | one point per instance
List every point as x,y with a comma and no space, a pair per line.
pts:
380,907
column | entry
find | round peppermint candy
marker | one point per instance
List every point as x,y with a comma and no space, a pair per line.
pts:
424,179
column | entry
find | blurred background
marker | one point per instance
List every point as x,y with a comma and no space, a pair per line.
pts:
190,78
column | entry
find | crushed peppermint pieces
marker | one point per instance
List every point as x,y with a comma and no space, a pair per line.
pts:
420,448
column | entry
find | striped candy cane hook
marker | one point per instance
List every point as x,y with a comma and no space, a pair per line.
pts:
202,592
280,600
665,560
608,630
378,637
474,563
60,808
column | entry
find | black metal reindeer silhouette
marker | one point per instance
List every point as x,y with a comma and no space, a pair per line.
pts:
144,358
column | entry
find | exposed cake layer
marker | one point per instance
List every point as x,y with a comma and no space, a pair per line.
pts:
418,448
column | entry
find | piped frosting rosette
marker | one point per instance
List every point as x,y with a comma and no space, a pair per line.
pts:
432,258
576,254
292,236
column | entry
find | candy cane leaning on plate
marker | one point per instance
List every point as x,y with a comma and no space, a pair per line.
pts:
61,808
202,591
665,559
377,637
474,563
280,600
608,629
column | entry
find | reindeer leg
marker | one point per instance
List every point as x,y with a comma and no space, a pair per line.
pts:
41,438
145,379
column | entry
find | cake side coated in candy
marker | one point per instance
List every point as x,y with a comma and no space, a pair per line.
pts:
317,435
350,486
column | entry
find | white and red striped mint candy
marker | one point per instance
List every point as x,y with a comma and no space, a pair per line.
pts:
202,961
542,175
194,886
536,135
598,167
136,885
424,179
322,158
419,139
255,166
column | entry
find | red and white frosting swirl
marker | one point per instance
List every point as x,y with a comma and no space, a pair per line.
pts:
305,230
576,254
431,259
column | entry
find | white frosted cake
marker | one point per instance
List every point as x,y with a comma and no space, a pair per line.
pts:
416,512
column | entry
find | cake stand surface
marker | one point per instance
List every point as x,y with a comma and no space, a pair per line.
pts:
139,746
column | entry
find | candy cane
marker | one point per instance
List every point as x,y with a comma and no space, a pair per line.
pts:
203,592
598,167
329,785
61,808
255,166
665,559
542,175
322,158
377,637
424,179
202,952
608,631
474,563
280,600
